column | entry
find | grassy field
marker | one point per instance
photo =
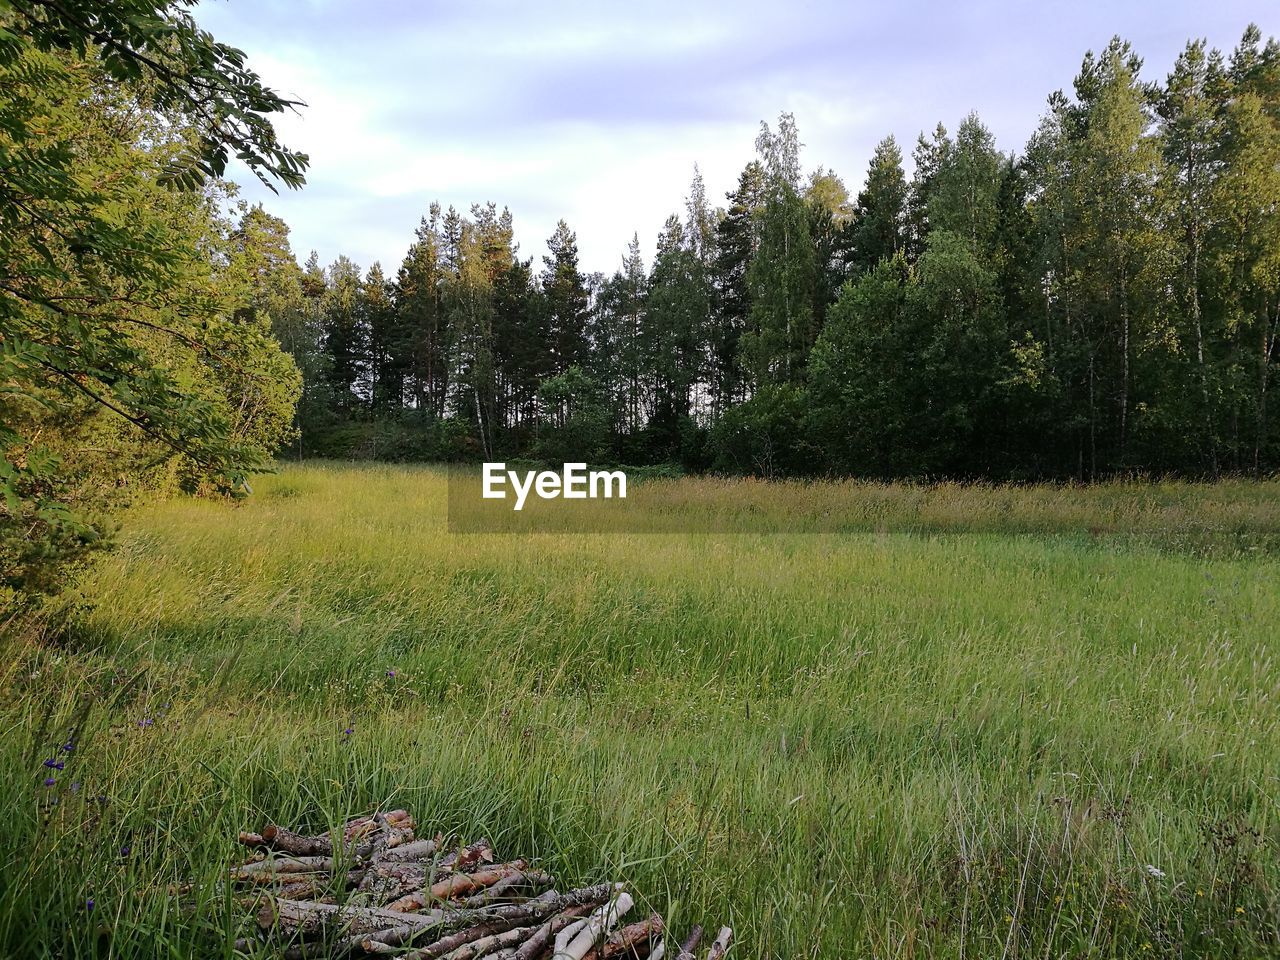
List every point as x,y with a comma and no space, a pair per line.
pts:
1037,722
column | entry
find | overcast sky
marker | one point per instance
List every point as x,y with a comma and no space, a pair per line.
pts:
597,111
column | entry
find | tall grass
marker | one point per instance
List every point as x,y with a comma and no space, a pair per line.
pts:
1032,722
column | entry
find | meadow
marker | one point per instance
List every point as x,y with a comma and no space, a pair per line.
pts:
944,721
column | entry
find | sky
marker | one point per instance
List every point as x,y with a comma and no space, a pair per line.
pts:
596,112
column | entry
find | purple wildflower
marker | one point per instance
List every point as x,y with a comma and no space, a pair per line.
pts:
54,764
349,731
391,673
68,747
88,904
124,851
49,781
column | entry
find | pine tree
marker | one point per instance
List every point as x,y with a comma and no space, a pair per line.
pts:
880,216
567,301
673,331
737,239
928,156
385,374
422,347
346,338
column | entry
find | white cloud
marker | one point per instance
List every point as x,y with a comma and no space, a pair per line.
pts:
597,112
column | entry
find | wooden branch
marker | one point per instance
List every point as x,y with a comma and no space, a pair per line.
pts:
280,838
410,925
478,948
417,850
307,917
445,944
515,880
566,937
600,922
278,865
628,938
720,946
690,943
460,883
535,945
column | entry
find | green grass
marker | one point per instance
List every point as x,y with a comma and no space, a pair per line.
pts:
964,728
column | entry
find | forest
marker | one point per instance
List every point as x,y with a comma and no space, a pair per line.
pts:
1105,302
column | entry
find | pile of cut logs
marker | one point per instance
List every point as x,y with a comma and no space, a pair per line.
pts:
374,888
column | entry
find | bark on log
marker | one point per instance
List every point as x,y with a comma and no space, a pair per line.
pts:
628,938
283,839
307,886
416,850
385,880
445,944
600,922
720,946
411,926
690,943
307,917
467,856
279,865
535,945
517,880
460,883
485,945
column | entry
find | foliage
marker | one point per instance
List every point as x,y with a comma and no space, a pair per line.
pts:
120,346
1105,302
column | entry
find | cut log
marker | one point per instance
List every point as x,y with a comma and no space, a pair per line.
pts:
566,936
535,945
720,946
690,943
507,939
285,840
478,852
279,865
516,880
628,939
600,922
534,911
460,883
416,850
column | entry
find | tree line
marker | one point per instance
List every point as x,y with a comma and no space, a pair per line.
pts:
1106,301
